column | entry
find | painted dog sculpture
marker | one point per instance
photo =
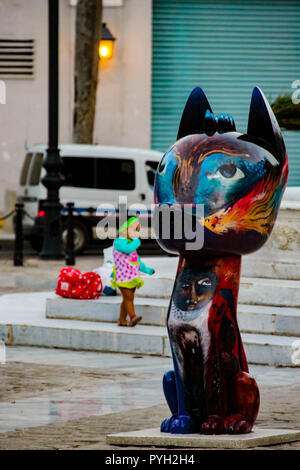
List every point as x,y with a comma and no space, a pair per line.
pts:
240,180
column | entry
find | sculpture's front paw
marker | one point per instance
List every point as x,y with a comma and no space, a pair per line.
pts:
166,424
237,424
234,424
182,424
213,425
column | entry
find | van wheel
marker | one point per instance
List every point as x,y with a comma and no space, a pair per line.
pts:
81,237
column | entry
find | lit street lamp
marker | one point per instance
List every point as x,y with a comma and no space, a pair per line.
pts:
106,45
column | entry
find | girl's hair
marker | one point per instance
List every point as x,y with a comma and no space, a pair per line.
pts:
127,224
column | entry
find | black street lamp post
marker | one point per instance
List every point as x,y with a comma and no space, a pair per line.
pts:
52,243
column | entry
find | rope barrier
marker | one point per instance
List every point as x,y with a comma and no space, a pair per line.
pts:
25,213
7,215
28,215
13,212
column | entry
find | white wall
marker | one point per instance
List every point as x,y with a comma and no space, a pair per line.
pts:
23,119
124,96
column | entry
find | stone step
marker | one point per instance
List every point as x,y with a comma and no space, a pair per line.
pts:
269,320
87,336
251,318
153,311
145,340
272,266
277,292
269,349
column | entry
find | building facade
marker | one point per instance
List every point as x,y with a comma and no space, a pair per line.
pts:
163,49
123,113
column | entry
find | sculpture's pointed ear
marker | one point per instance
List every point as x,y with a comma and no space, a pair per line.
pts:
262,124
193,114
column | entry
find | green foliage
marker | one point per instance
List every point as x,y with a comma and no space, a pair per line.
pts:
286,112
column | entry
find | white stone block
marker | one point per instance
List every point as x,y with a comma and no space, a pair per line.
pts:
153,437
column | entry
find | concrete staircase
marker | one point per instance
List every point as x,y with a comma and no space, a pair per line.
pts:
268,313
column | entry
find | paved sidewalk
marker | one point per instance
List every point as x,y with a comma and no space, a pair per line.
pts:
37,274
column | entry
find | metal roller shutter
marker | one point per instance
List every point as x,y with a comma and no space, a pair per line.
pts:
226,47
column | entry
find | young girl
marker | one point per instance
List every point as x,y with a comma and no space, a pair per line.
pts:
127,268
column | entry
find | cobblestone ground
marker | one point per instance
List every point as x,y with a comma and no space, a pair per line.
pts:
280,408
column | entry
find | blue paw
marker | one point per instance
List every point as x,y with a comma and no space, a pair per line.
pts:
182,424
165,425
177,425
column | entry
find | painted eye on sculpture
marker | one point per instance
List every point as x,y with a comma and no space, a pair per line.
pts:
205,282
230,172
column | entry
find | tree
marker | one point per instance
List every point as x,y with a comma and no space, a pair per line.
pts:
88,34
287,112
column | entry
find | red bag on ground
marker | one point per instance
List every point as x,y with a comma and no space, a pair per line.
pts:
75,285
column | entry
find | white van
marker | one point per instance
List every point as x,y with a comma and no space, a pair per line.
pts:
94,175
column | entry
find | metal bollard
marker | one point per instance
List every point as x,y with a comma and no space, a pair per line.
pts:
70,257
18,248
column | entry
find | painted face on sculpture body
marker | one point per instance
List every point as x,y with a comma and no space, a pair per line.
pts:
194,289
237,178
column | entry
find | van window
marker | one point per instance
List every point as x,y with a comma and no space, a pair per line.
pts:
151,168
25,168
115,173
36,167
79,172
100,173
